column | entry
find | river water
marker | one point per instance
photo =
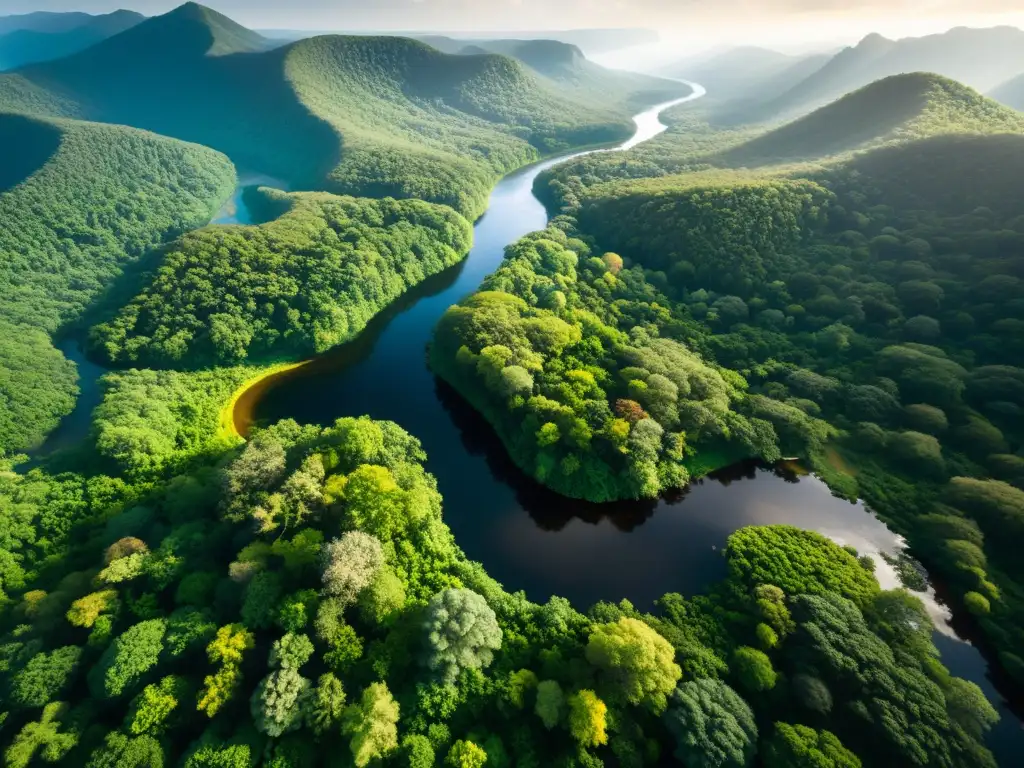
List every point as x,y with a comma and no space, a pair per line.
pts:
531,539
527,537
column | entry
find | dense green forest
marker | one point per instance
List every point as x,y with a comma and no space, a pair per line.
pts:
561,350
349,629
869,309
78,203
298,285
171,594
368,116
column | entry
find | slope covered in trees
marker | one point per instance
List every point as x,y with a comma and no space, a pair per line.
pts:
27,45
356,115
301,602
79,203
305,282
898,108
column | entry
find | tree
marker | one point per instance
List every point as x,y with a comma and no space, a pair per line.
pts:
588,719
462,632
226,649
290,651
279,701
797,746
418,751
85,610
45,677
43,737
262,597
637,662
349,564
128,658
120,751
372,724
798,562
384,596
550,701
753,669
465,754
150,710
968,706
812,693
712,725
520,683
327,705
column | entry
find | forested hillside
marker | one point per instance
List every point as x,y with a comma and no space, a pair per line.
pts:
78,203
898,108
357,115
294,287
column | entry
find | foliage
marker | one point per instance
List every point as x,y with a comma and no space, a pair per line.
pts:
45,677
97,200
587,719
150,710
132,654
713,726
461,632
465,754
299,285
797,746
349,564
371,724
279,702
637,662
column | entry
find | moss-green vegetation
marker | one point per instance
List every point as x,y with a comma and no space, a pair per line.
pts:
301,597
359,115
874,298
80,203
587,377
298,285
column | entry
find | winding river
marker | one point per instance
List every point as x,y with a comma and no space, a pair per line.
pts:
531,539
527,537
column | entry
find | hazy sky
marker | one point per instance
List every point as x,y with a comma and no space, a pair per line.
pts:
711,21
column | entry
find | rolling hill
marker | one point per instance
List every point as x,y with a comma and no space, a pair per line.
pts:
29,46
79,203
897,108
980,58
1010,93
356,115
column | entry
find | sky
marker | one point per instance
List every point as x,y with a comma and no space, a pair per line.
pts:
700,22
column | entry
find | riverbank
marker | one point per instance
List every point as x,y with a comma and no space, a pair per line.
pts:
235,420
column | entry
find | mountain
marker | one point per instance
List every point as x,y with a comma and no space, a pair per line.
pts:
897,108
358,115
566,65
44,21
980,58
27,46
1010,93
591,41
732,73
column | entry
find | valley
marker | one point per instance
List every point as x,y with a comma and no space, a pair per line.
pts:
394,401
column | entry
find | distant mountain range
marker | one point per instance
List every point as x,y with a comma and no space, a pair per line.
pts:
1010,93
40,37
760,85
591,41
